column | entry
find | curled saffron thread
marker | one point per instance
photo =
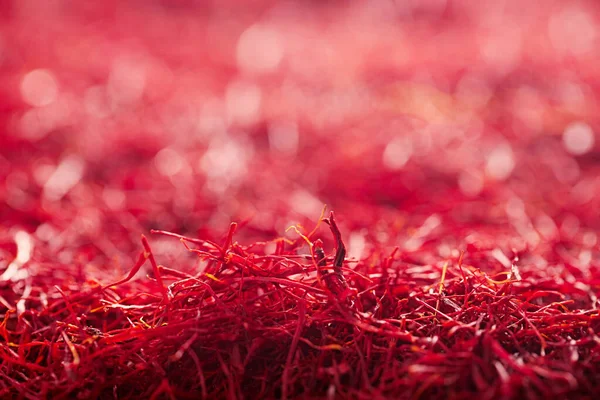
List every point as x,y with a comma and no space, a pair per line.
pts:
335,281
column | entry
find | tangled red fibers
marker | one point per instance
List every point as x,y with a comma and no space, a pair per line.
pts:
163,166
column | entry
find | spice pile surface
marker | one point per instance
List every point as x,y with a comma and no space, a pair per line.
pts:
164,167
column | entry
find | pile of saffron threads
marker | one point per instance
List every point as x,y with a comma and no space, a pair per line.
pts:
299,320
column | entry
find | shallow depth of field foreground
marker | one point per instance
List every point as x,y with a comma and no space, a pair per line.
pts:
299,199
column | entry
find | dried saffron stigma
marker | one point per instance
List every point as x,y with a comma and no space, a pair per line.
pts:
335,280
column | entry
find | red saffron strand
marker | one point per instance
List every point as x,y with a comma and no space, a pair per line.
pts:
292,351
155,269
139,263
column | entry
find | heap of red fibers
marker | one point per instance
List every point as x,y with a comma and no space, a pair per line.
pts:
163,166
